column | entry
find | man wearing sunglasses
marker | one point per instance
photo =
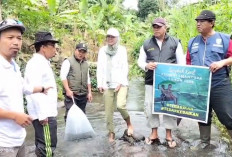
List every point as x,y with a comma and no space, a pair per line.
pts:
164,49
13,120
43,107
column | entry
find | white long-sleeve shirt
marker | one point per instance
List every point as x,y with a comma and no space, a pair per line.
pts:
180,57
119,71
11,99
38,72
65,67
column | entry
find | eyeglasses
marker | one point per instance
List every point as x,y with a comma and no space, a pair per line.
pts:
156,26
11,22
110,36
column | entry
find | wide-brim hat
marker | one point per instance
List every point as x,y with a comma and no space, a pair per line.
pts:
11,23
44,37
206,15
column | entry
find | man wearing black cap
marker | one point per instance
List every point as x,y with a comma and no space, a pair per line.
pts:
165,49
43,107
214,50
75,78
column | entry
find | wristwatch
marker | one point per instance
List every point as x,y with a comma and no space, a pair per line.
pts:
42,90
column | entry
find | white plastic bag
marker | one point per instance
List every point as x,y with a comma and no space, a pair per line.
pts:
77,125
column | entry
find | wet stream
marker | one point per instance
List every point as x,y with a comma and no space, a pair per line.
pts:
186,135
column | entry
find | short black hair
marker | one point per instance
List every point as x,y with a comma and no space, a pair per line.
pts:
40,44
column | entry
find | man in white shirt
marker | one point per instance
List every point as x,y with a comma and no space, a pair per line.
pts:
74,74
112,73
43,107
13,120
165,49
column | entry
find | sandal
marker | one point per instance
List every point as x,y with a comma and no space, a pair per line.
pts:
153,141
170,143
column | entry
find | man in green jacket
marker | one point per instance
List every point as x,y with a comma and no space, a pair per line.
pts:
75,78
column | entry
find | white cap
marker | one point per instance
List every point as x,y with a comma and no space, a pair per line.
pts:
113,31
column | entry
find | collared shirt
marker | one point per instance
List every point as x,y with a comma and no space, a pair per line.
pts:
65,70
180,57
38,72
119,69
11,99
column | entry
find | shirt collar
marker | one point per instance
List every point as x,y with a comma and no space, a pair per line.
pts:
5,63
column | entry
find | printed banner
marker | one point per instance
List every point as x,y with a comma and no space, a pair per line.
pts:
182,91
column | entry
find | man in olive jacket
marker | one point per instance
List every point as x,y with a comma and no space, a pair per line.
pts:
75,78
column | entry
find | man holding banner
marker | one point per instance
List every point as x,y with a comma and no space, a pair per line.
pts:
214,50
165,49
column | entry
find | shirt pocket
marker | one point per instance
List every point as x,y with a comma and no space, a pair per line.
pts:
194,57
216,54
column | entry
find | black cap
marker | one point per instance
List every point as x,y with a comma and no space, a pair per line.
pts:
44,37
82,46
206,15
11,23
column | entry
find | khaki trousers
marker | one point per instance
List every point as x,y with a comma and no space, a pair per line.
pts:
12,151
110,99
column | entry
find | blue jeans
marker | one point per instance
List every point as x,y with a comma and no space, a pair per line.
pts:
221,103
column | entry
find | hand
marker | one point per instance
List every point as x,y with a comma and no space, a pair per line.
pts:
90,97
46,89
117,88
216,65
22,119
44,122
101,90
69,93
151,65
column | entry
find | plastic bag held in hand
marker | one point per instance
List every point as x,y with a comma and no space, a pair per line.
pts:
77,125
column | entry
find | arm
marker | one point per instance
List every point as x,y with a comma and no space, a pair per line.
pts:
63,76
100,71
20,118
188,58
89,96
180,57
142,61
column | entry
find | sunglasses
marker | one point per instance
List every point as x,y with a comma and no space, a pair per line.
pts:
11,22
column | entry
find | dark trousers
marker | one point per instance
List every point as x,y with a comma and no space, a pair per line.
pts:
80,101
45,137
221,103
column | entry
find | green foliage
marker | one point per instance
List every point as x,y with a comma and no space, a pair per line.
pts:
222,128
92,73
146,7
59,88
135,70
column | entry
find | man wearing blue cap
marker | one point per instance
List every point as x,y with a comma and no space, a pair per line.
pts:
13,120
214,50
76,80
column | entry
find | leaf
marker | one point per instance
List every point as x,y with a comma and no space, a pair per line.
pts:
83,6
52,6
